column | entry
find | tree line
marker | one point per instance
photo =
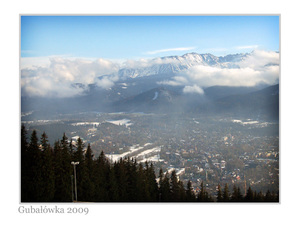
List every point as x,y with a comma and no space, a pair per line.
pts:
47,176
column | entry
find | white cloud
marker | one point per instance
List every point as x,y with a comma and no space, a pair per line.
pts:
210,76
259,59
106,82
34,62
170,50
176,81
193,89
59,77
140,63
258,67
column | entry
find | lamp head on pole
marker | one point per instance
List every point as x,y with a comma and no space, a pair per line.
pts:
75,163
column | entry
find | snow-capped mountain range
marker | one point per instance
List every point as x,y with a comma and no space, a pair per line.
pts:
177,64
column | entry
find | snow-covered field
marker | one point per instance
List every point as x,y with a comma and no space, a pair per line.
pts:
179,171
26,113
121,122
245,123
252,122
39,122
147,152
132,149
146,155
154,158
85,123
195,121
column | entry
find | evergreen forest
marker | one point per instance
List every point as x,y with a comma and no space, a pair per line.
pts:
47,175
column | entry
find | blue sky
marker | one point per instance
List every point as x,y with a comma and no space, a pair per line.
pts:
131,37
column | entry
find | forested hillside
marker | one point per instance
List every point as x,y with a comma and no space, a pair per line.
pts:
47,176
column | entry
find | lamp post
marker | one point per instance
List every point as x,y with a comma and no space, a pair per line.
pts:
74,164
72,188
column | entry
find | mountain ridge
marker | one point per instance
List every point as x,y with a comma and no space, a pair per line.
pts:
176,64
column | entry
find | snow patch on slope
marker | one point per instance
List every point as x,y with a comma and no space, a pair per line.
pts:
155,96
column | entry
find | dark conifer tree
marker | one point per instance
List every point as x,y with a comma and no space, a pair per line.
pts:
71,149
236,194
104,180
63,171
249,196
219,196
259,197
208,198
268,196
79,154
255,198
121,175
160,180
174,186
113,186
182,192
88,176
57,171
190,196
226,193
57,165
89,159
239,194
203,195
132,179
165,188
143,194
47,170
44,142
151,183
66,167
81,176
24,142
25,172
35,164
147,193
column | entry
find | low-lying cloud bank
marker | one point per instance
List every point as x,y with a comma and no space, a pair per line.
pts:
63,77
66,77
